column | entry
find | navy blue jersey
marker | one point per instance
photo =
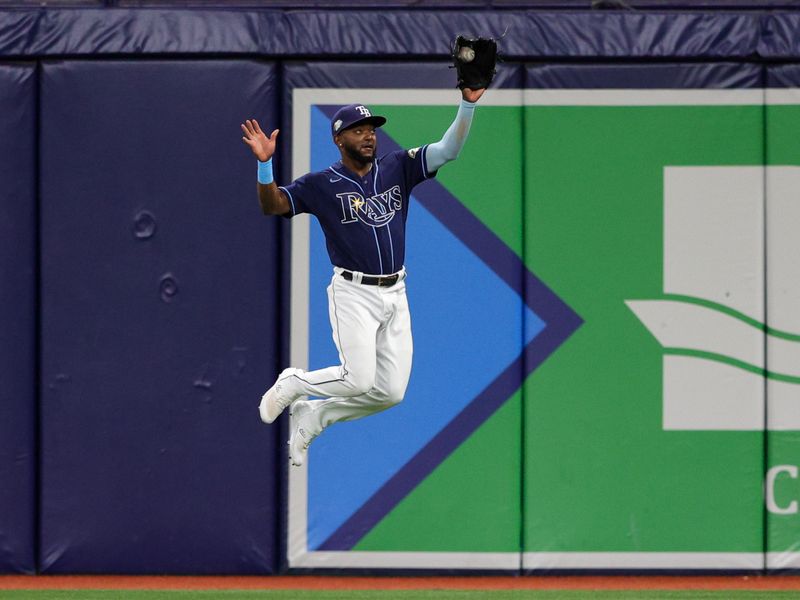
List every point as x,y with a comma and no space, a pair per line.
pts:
363,218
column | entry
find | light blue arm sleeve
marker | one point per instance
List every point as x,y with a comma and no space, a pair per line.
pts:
442,152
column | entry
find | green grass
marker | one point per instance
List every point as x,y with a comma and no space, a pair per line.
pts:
394,595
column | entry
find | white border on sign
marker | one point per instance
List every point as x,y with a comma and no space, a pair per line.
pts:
642,560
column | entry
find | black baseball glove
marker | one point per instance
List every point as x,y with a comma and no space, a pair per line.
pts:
474,60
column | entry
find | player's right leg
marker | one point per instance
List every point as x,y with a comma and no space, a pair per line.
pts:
394,351
355,313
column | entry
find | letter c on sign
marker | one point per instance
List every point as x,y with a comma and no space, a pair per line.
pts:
769,489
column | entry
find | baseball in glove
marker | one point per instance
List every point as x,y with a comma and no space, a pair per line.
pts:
474,60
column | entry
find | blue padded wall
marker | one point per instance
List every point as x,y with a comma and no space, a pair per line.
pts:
18,453
159,298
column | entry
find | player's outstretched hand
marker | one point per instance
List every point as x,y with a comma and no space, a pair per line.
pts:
472,95
261,145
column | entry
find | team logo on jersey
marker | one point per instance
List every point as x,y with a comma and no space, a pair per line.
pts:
376,210
413,152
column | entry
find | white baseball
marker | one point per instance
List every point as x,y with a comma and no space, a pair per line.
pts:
466,54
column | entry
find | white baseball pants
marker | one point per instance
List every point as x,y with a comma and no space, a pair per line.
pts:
372,331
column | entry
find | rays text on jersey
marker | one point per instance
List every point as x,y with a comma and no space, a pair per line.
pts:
376,210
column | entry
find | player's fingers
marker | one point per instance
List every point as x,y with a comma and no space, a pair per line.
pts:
256,126
274,135
246,131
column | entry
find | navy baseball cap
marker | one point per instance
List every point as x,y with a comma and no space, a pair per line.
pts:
352,114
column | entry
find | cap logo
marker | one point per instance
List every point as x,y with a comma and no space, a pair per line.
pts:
337,124
364,111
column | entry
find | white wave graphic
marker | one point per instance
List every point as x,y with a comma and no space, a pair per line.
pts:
684,325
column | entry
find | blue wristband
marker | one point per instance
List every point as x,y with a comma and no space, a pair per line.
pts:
265,175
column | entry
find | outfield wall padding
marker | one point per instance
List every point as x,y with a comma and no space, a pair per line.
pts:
553,420
292,33
644,212
18,332
159,275
782,493
392,483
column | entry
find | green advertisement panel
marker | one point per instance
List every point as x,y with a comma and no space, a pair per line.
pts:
433,483
651,234
782,482
644,433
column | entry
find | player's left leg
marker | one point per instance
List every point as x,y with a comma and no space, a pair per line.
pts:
394,351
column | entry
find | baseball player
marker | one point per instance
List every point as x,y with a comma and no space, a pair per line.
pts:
361,203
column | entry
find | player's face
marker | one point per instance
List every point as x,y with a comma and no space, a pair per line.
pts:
359,142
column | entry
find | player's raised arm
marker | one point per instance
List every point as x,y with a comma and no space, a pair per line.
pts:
447,149
272,200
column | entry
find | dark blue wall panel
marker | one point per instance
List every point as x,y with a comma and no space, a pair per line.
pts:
159,288
783,76
17,317
725,75
531,34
